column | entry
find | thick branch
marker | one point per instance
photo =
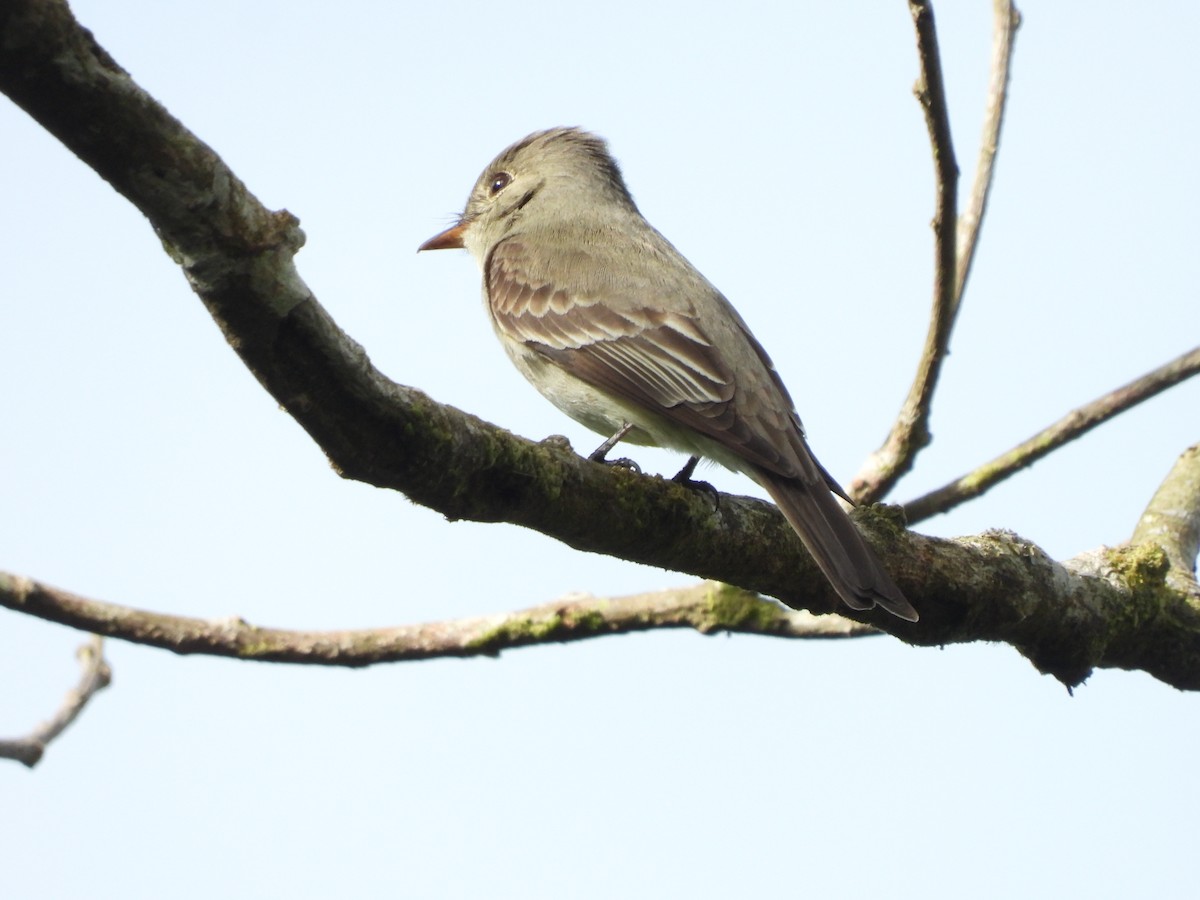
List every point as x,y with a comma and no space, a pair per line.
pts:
1075,424
238,258
96,676
1172,520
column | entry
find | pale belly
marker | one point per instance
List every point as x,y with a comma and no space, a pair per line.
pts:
606,415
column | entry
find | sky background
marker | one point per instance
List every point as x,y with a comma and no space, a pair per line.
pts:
779,147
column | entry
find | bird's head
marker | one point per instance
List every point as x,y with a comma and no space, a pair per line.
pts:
548,178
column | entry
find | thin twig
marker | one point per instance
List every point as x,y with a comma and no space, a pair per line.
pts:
1172,520
96,676
1071,426
707,607
910,432
955,239
1005,22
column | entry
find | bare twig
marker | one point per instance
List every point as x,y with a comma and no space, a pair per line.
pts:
707,607
96,676
1005,22
910,432
1071,426
1172,520
955,239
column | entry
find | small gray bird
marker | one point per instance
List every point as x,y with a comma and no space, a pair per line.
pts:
620,332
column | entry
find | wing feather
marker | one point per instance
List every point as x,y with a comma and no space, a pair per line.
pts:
658,360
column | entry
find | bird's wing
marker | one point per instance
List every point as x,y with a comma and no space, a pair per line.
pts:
651,355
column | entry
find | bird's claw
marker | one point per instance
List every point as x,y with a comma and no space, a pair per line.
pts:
623,463
600,453
684,477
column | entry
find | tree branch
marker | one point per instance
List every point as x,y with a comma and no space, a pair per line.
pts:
1005,22
954,239
707,607
1172,520
95,677
238,258
1105,609
1073,425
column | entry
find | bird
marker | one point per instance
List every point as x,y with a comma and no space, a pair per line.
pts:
618,330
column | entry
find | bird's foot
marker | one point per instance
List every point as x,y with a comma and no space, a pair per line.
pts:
600,454
684,477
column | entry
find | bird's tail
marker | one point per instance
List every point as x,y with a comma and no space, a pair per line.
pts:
837,546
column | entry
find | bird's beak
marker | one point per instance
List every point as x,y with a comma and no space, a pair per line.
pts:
450,239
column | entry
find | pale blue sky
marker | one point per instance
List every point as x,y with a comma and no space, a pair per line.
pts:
782,152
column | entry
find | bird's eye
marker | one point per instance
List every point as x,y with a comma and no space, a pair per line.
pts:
499,182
